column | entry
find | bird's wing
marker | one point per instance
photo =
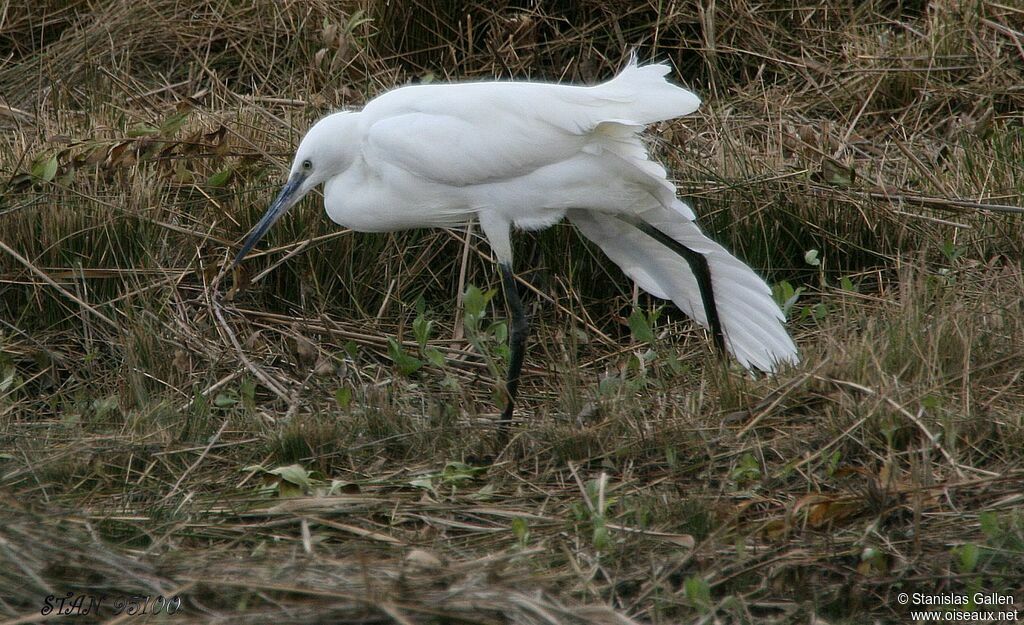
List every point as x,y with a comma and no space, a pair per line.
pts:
473,133
463,150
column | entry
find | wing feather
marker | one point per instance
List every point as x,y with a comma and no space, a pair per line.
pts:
460,151
476,133
751,320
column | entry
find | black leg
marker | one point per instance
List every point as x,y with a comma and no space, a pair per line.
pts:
516,343
699,266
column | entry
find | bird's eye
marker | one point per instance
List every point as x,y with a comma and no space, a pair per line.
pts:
307,164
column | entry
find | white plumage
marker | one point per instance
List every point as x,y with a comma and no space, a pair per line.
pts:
751,321
528,154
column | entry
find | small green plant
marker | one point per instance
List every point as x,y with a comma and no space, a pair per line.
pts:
225,400
454,475
873,561
593,511
106,407
833,462
44,167
491,342
641,325
967,557
698,593
521,531
422,328
343,397
786,296
288,481
406,363
458,474
1004,541
748,469
247,392
952,251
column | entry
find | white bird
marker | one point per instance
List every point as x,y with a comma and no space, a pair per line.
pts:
528,154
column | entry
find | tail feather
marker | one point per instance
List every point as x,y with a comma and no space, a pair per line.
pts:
751,320
752,323
646,95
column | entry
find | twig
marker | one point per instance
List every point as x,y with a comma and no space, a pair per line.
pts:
47,279
938,202
259,373
202,456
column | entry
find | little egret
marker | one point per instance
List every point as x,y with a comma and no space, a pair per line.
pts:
527,154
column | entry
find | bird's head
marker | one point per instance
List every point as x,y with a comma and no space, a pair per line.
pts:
326,151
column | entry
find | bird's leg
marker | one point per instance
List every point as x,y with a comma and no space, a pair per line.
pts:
516,343
701,271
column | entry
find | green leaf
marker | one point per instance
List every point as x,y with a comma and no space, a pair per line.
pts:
833,462
224,400
358,18
521,530
425,482
952,251
352,349
676,365
748,469
341,486
820,311
499,330
835,173
247,389
294,474
841,178
143,130
601,539
609,385
173,124
640,328
105,406
990,526
434,356
785,295
968,555
343,396
671,457
486,493
45,169
287,489
458,473
220,178
698,592
421,327
473,300
474,305
407,365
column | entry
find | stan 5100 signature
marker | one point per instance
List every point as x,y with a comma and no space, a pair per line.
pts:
82,604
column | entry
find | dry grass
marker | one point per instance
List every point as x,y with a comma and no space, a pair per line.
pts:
264,457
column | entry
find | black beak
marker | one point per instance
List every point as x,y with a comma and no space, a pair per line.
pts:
285,200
